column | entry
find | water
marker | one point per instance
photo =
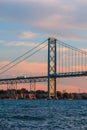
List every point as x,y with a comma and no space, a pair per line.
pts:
43,115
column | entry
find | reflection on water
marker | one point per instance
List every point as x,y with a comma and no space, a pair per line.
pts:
43,115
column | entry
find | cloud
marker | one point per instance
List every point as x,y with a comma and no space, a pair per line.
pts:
35,69
80,68
50,2
60,50
66,19
2,41
27,35
20,43
3,63
84,49
24,68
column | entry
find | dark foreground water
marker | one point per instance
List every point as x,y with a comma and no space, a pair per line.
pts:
43,115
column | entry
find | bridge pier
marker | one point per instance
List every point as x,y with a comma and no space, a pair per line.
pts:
52,68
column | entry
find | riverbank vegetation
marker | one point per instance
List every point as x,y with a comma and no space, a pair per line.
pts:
39,94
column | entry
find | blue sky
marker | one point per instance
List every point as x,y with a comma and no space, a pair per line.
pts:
64,19
33,21
24,23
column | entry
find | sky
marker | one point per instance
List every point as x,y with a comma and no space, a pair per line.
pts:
25,23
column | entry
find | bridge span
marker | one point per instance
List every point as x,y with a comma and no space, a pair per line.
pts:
42,78
69,62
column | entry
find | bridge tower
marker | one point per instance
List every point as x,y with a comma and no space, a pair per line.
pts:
51,68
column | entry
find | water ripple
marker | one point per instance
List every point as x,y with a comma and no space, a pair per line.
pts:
43,115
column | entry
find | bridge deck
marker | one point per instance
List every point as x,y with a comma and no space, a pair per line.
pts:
72,74
41,78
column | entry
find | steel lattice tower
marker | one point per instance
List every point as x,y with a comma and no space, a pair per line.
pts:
52,68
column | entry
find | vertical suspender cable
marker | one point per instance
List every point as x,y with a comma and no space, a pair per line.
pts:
72,60
59,57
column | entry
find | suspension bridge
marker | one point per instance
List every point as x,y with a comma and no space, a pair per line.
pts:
63,61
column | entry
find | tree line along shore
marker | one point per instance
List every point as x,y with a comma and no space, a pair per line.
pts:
39,94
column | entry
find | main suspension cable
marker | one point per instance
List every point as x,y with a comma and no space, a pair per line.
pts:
23,59
22,55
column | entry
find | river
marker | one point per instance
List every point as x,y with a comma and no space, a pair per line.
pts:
43,115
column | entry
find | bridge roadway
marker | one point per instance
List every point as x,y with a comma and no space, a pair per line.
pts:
41,78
